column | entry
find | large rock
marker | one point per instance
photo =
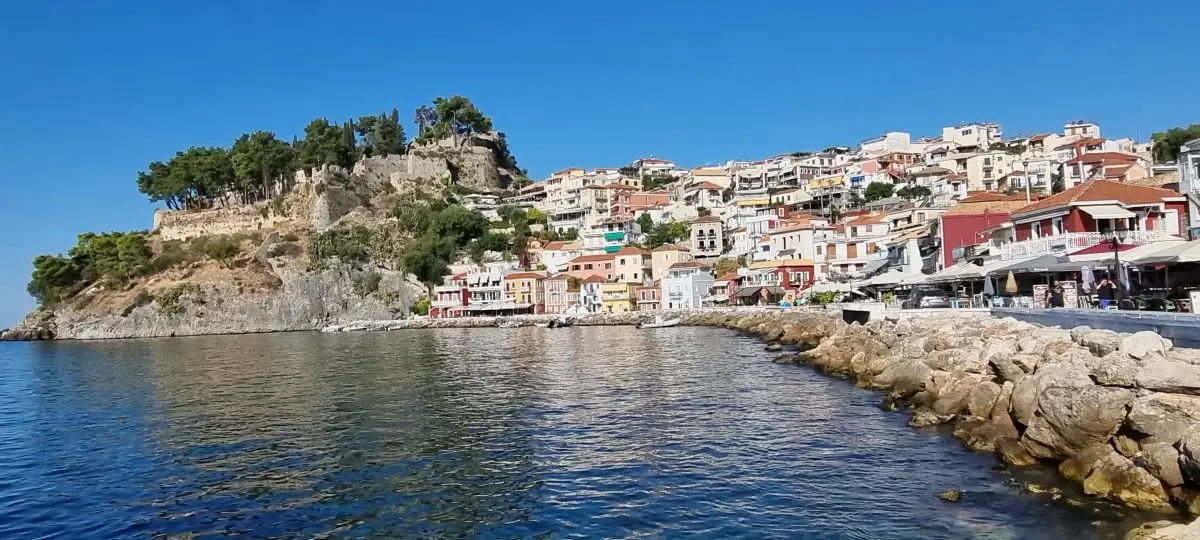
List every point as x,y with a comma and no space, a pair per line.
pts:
1079,466
1028,362
1100,342
952,397
1117,478
1165,530
1027,391
969,360
982,398
1145,345
905,377
1116,369
1168,376
1013,452
1072,419
1164,417
1189,457
1162,460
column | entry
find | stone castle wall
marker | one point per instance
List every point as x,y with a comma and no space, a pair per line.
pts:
185,224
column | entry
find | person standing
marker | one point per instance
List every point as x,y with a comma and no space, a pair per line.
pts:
1056,299
1106,290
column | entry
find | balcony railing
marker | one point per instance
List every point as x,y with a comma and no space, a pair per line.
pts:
1068,242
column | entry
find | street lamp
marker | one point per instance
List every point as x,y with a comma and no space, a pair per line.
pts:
1116,236
1026,170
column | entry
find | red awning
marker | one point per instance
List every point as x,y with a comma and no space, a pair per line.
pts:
1103,247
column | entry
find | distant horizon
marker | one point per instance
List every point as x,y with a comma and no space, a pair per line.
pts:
103,90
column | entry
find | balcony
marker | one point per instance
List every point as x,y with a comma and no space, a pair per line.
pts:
1068,242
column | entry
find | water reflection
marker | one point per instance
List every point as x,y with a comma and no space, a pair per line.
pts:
478,432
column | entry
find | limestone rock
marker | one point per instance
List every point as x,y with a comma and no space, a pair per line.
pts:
1072,419
1189,458
1115,477
1100,342
1188,499
1027,391
923,417
905,377
1165,530
982,398
1187,356
1162,460
952,397
1125,446
1079,466
1164,417
1145,345
1167,376
1116,369
1012,452
1028,362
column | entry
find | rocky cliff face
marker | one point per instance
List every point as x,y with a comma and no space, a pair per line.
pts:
303,301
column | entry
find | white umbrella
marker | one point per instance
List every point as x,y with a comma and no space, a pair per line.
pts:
988,289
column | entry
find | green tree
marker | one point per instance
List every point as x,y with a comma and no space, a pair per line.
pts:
854,199
259,160
1056,183
913,192
114,256
666,233
381,134
458,224
702,212
328,144
533,215
651,183
1167,143
54,277
726,265
645,222
427,255
453,116
878,190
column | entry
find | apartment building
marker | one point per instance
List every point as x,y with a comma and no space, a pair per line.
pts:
525,289
601,265
707,237
685,285
560,292
450,297
976,135
619,297
632,265
662,257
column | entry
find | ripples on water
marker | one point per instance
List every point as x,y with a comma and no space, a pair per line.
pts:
479,432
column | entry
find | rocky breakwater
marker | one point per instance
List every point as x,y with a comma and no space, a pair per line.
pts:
1119,413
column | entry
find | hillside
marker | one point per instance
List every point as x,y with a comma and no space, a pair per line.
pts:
297,250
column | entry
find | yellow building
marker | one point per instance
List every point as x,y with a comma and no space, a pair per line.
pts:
619,297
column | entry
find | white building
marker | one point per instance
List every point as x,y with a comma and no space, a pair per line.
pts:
1189,178
978,135
685,285
591,299
894,141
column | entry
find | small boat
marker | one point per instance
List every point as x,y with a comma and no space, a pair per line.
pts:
543,325
508,324
561,322
658,322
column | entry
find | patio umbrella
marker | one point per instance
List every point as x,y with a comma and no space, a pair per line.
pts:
1089,279
988,289
1011,286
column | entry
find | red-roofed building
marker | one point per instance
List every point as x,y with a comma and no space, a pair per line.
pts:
650,298
525,288
1081,216
1119,166
450,297
602,265
633,265
965,224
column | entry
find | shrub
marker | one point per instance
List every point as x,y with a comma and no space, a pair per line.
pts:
169,302
366,283
221,248
291,237
284,249
421,307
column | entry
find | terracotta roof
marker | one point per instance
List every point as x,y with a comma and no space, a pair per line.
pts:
931,171
688,264
557,244
669,247
526,275
709,185
984,207
1041,137
1101,190
631,250
591,258
1116,171
707,219
728,277
867,219
595,278
559,277
1099,157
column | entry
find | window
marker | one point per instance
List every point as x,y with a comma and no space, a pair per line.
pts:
1036,230
622,262
1057,225
818,250
966,132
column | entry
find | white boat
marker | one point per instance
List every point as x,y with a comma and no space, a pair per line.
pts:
658,322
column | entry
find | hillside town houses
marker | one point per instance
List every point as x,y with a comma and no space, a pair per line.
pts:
953,210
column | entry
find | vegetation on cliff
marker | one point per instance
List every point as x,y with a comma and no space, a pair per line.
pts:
259,166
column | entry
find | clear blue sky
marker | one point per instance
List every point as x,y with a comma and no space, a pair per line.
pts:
95,90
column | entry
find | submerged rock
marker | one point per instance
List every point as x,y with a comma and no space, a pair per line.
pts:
950,495
1115,477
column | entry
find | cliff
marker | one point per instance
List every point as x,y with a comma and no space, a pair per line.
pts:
270,281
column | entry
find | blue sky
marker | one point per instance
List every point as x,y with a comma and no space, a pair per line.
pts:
95,90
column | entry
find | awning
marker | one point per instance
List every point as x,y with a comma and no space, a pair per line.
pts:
1179,253
1107,211
1045,264
751,291
874,266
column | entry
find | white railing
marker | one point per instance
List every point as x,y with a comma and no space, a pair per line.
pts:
1068,242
